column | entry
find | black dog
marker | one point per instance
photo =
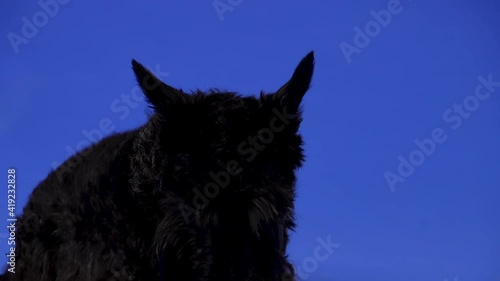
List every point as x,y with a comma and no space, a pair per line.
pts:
204,191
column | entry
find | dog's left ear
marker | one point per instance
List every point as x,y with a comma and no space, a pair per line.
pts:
293,91
159,95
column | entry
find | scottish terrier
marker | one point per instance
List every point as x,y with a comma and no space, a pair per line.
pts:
204,191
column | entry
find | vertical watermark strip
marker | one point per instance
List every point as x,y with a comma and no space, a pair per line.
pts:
11,220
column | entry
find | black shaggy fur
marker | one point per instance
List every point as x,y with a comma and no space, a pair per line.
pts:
204,191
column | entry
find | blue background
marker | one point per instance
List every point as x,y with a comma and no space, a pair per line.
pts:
362,112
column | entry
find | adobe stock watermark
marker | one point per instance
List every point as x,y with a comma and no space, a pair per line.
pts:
31,26
454,117
250,147
363,36
321,253
455,279
121,106
222,7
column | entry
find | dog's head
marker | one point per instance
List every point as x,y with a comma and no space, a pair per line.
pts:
232,157
215,131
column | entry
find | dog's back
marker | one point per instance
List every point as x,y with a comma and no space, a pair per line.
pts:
68,230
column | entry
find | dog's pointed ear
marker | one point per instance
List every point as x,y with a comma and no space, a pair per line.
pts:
293,91
158,94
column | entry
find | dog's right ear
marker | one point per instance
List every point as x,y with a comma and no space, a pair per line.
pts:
293,91
158,94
